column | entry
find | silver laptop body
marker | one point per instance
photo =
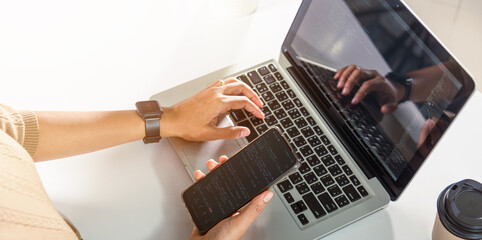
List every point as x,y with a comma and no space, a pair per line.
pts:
281,219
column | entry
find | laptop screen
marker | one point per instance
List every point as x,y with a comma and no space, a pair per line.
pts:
403,89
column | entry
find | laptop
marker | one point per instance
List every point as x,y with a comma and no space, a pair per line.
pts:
355,160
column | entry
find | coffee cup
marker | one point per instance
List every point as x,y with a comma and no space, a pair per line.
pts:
459,212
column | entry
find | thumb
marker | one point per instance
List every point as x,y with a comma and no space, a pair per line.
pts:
230,132
389,108
252,210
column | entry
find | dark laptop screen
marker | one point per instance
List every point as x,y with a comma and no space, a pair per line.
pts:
391,51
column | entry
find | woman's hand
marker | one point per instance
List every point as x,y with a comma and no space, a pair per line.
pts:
196,118
386,92
233,227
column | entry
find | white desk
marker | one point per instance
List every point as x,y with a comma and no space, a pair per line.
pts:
105,55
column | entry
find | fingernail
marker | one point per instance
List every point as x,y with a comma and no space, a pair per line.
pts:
244,132
345,91
354,101
267,196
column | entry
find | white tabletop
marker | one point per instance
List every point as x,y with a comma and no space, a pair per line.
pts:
106,55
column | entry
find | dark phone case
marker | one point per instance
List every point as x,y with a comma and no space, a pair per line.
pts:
291,170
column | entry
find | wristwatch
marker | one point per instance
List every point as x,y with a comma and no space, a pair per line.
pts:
151,113
404,80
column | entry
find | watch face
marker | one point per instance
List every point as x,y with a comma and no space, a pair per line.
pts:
148,108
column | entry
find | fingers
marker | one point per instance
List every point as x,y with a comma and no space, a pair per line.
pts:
236,87
242,102
229,132
212,164
223,159
252,210
364,90
198,175
344,76
425,131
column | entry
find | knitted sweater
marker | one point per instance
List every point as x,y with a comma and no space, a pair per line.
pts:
26,211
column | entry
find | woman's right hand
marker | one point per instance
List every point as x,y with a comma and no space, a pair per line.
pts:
386,92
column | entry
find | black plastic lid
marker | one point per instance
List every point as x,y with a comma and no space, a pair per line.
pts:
460,209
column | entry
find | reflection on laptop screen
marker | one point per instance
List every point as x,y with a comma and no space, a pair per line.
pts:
385,37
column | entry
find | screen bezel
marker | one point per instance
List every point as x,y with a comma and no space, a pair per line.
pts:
220,168
374,168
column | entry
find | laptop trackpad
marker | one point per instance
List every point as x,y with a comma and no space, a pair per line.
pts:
198,153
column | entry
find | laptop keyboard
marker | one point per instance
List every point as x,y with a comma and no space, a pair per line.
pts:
324,183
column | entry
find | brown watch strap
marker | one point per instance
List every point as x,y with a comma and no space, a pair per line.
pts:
151,113
152,130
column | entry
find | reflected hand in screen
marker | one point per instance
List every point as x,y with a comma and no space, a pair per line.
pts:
233,227
385,92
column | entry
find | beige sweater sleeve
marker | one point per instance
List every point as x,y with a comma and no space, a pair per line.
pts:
26,212
21,126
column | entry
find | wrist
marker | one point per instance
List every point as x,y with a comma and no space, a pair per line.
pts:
400,91
166,123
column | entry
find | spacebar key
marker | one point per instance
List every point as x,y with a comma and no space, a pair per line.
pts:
314,205
253,133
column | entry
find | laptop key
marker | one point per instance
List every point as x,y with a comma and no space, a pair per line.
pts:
347,170
299,141
287,105
269,79
310,178
318,130
286,123
325,140
354,180
297,102
320,170
272,68
334,190
342,180
307,132
275,87
261,128
304,111
237,115
273,105
291,93
255,78
261,87
294,113
314,205
284,84
304,168
244,79
288,197
270,120
263,71
292,132
267,96
342,201
332,150
340,160
311,121
327,202
302,188
303,219
281,96
362,191
351,193
327,160
321,151
278,76
327,180
301,123
253,133
295,178
314,141
280,113
335,170
285,186
306,150
313,160
256,121
317,188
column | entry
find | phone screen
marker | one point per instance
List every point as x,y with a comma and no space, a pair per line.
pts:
241,178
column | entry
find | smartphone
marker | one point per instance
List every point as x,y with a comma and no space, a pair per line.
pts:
233,184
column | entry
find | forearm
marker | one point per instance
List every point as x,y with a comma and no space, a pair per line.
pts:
63,134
